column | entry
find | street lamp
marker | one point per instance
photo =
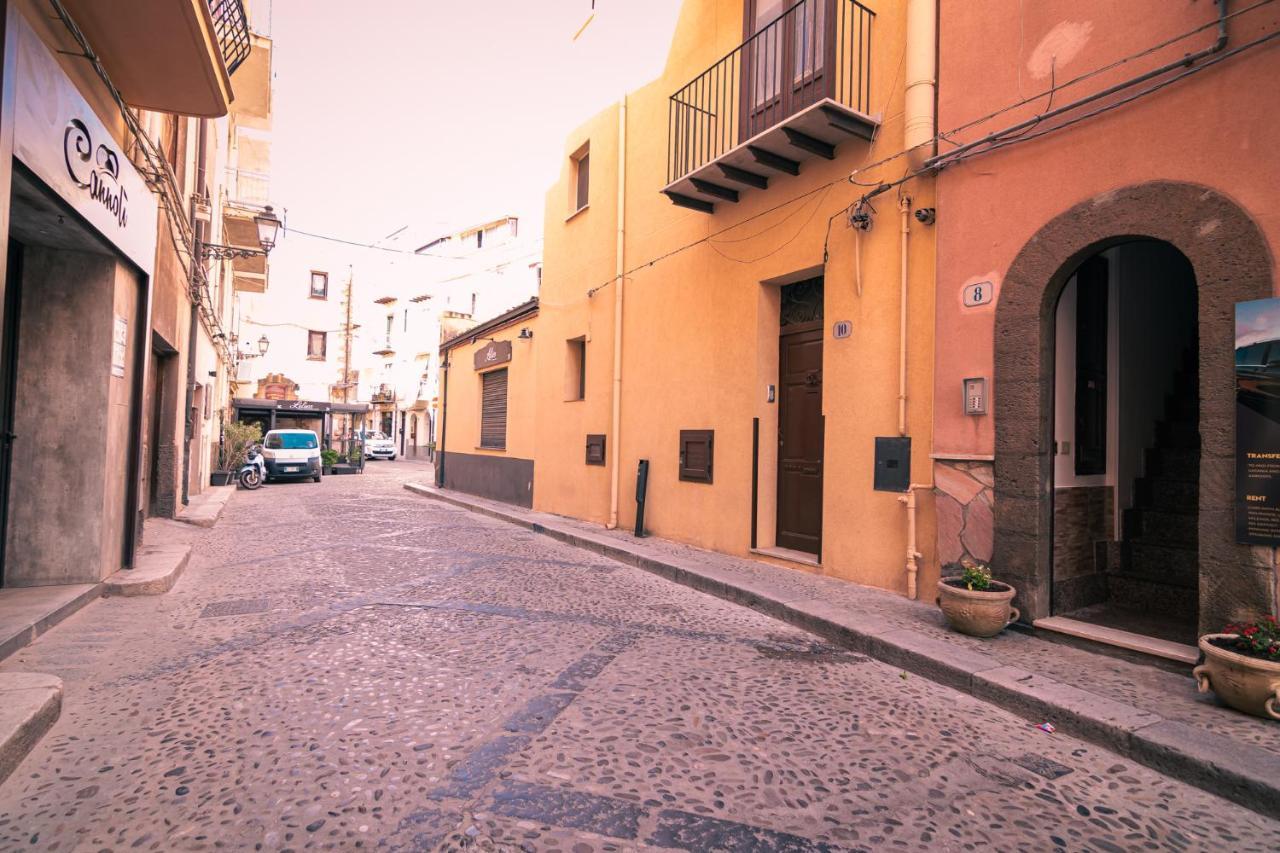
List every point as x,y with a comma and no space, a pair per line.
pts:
268,226
263,346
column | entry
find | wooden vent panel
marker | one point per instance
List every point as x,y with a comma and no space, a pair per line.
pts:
697,451
595,450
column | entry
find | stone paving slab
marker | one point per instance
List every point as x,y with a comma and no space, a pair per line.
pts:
29,706
206,508
27,612
1147,713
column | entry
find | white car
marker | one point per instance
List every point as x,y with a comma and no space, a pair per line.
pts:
291,453
378,446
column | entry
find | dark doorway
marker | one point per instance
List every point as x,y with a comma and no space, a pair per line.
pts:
800,426
1126,462
160,459
8,383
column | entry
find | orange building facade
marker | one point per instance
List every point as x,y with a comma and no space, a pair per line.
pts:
1106,195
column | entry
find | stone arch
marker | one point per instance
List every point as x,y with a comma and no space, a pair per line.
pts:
1232,263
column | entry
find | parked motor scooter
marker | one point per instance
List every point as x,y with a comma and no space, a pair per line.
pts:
254,472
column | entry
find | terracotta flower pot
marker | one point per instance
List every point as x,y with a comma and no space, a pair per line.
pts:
1245,683
978,613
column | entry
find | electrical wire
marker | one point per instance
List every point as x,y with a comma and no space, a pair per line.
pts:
289,229
788,242
723,230
1022,102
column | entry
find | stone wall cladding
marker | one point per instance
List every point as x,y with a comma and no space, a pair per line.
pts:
964,498
1232,263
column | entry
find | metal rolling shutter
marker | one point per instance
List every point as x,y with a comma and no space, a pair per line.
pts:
493,409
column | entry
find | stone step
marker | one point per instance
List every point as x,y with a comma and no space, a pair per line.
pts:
1146,596
1161,527
1160,563
1160,493
1173,464
1178,434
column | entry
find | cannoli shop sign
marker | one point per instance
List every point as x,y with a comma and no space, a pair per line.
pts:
60,138
497,352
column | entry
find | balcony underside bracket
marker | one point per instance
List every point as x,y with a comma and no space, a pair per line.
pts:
851,124
742,176
714,190
812,144
774,161
697,204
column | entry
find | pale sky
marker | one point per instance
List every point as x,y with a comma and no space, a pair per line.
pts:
427,112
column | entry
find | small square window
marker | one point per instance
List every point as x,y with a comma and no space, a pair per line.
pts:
319,285
317,344
697,448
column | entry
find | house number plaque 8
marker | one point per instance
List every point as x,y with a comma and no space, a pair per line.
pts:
977,294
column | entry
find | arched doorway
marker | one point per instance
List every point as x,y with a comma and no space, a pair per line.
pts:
1126,443
1230,263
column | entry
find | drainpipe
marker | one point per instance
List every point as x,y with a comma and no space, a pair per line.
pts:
922,73
444,419
918,138
619,283
913,556
197,227
904,205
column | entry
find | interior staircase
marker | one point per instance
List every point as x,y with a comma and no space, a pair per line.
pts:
1158,570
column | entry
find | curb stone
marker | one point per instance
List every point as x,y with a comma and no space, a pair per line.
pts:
157,570
27,634
1220,765
30,703
207,508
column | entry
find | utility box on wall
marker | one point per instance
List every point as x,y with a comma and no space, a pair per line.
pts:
893,464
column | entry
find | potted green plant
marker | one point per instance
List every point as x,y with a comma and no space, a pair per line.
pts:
1242,666
237,438
328,458
975,604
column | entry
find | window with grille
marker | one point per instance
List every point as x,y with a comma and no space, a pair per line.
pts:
493,409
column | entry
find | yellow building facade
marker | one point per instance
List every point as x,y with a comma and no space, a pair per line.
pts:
766,341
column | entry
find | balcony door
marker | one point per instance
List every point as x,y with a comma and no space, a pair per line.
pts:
786,61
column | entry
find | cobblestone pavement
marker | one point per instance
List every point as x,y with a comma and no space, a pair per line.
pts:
348,666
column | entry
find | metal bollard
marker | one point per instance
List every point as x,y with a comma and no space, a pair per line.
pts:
642,486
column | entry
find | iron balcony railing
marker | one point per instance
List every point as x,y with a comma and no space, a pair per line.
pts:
815,50
231,26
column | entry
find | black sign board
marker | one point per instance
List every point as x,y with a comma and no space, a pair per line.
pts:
497,352
1258,422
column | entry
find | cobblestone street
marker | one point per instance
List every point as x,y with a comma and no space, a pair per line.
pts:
347,665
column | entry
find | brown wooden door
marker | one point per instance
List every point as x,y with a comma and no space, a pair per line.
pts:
800,438
789,46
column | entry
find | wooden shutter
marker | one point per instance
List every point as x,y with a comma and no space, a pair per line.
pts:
493,409
696,452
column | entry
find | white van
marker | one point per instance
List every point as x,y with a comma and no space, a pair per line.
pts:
293,453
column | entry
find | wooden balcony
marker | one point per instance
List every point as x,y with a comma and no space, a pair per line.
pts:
795,90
